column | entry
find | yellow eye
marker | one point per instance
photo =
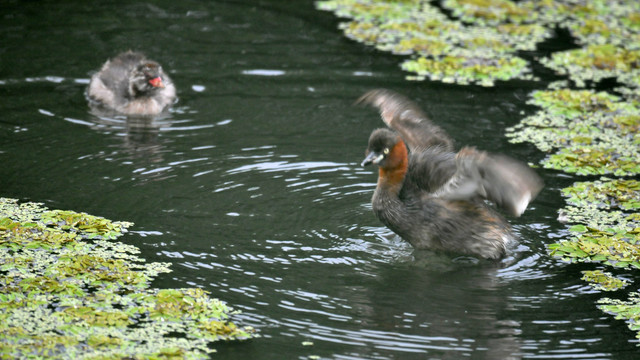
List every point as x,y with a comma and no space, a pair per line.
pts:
386,151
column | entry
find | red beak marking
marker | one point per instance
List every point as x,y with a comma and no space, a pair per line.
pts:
156,82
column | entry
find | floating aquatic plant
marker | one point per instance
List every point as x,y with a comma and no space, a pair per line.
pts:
595,160
628,310
68,290
463,71
489,12
604,281
607,30
605,194
615,247
596,62
610,30
592,132
601,21
603,232
444,50
572,103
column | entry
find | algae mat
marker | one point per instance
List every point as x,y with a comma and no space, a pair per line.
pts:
69,290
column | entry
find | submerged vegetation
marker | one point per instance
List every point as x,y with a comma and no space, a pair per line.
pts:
585,132
68,290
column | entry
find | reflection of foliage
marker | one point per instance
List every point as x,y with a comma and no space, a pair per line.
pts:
67,290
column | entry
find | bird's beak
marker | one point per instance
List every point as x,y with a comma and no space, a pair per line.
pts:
156,82
372,158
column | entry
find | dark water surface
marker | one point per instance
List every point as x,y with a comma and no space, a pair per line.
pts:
252,186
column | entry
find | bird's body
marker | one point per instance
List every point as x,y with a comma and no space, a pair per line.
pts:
435,198
131,84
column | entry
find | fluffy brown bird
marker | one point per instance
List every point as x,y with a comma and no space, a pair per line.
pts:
131,84
432,196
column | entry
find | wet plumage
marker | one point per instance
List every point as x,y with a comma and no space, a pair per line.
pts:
434,197
131,84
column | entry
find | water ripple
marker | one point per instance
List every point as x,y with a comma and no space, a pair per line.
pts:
274,166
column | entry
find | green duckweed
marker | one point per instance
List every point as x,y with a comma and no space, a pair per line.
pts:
628,310
615,247
442,49
592,133
68,290
496,29
604,281
623,194
489,12
605,227
597,62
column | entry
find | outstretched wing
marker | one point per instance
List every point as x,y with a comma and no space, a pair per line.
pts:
507,182
405,117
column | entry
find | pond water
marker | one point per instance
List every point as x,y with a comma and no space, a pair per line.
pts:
252,186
